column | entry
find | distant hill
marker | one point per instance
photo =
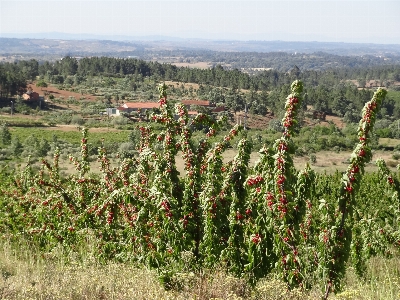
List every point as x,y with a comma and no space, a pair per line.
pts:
62,47
248,56
47,43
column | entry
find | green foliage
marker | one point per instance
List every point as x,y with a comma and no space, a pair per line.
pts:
41,84
77,120
5,135
251,220
16,147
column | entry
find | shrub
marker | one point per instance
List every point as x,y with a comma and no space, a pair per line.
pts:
92,123
78,120
5,135
6,110
120,120
396,156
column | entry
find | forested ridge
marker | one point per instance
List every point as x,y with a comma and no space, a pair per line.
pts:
280,61
217,76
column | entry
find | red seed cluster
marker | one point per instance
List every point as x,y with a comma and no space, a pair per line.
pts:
255,180
256,239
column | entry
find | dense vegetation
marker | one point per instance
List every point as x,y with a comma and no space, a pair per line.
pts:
251,221
217,76
280,61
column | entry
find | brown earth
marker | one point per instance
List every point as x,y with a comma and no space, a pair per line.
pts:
62,93
185,84
252,121
336,120
197,65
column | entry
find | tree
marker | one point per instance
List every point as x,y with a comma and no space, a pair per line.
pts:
42,84
43,147
352,115
134,137
68,66
5,135
16,147
361,82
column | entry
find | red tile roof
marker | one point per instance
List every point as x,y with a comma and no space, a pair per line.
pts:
218,109
196,102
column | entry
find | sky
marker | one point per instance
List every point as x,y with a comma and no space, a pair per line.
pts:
354,21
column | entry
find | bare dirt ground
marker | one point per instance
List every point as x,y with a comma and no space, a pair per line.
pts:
62,93
336,120
372,83
66,128
252,121
186,85
198,65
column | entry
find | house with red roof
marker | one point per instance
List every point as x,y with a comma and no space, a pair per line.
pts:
203,103
30,95
139,107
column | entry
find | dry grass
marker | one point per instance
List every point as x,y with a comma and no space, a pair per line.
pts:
25,275
327,161
382,281
388,142
330,161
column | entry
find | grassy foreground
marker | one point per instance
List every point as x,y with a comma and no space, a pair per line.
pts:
25,275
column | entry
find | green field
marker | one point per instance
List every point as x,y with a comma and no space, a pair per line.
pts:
71,136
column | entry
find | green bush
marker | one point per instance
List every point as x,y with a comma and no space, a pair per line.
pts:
6,110
78,120
119,120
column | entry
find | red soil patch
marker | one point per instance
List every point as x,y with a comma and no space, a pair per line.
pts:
253,121
185,84
61,93
336,120
64,94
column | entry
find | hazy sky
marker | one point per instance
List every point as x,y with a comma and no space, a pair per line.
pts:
375,21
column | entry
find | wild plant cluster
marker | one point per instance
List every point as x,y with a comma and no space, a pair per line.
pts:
251,220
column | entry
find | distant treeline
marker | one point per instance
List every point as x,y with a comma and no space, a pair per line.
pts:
280,61
216,76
